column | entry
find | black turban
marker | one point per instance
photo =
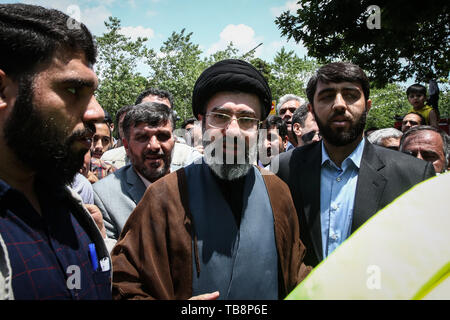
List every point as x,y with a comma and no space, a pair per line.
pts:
230,75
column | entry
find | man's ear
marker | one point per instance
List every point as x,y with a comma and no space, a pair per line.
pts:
297,129
368,105
125,144
285,140
8,90
310,108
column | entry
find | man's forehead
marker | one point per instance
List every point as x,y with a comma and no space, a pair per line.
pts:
147,127
155,98
291,103
424,137
64,67
325,86
412,116
238,101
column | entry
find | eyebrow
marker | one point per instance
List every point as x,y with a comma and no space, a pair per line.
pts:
243,112
79,83
327,90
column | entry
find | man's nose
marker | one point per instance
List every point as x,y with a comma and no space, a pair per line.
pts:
233,129
153,143
94,112
339,102
98,145
419,156
287,115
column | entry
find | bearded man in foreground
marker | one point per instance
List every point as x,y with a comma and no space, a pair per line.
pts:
219,228
338,183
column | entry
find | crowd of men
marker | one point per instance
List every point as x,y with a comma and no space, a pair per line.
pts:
239,205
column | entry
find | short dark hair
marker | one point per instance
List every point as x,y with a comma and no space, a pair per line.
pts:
188,121
121,111
338,72
422,119
152,113
107,125
275,121
156,92
299,116
30,35
416,88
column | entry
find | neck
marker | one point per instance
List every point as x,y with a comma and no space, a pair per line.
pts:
291,139
338,153
18,176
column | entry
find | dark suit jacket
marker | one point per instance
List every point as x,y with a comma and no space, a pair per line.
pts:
383,176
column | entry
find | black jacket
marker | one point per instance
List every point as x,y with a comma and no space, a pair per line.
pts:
383,176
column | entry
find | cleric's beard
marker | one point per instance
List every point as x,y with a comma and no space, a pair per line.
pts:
224,167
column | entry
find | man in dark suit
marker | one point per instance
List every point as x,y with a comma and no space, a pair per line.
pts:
149,142
339,183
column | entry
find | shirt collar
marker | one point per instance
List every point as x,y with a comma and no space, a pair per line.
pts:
4,188
145,181
354,157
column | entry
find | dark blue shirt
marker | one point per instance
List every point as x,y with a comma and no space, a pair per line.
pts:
49,254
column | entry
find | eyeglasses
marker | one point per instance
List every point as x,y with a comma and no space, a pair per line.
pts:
221,120
429,156
413,123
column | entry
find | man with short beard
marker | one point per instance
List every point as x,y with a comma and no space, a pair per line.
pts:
50,247
148,140
219,228
340,182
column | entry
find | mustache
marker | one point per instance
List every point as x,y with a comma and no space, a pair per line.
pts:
159,153
86,133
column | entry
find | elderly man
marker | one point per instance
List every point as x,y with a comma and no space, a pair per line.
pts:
149,140
219,228
387,137
412,119
427,143
304,126
285,109
50,247
340,182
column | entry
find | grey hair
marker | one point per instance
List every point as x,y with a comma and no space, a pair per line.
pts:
378,136
445,139
289,97
152,113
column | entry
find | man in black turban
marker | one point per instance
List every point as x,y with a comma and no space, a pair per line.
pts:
220,228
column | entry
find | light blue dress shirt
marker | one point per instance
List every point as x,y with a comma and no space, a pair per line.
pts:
337,197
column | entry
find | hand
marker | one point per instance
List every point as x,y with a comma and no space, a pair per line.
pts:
92,177
206,296
200,148
98,218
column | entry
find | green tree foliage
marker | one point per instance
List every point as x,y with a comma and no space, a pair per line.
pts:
175,68
290,74
387,103
118,55
390,102
413,40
